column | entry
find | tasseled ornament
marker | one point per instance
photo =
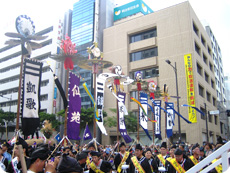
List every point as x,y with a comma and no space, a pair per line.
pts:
68,63
139,86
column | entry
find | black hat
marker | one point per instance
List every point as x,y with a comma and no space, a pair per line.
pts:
195,146
68,164
91,145
95,153
40,153
81,156
148,149
174,146
219,140
138,147
164,145
22,142
122,144
178,152
6,144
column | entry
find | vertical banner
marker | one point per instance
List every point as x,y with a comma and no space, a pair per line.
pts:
31,96
100,84
122,127
74,108
157,113
142,118
190,87
169,119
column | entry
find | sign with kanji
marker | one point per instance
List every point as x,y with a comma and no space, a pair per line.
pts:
30,101
190,87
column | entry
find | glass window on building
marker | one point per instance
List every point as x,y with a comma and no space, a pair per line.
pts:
205,59
143,35
148,73
195,29
136,56
210,118
206,77
201,90
82,22
203,41
212,84
215,119
197,48
199,69
208,95
202,116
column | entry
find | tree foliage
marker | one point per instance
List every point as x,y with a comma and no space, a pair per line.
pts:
52,119
130,121
87,116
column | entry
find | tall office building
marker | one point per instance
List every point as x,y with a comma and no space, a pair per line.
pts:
144,43
220,84
89,19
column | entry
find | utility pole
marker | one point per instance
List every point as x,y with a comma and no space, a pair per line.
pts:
206,119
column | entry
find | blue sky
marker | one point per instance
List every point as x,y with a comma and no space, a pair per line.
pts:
44,13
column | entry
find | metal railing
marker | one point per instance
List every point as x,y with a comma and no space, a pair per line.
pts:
224,160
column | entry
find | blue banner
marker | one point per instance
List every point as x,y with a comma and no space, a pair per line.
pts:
169,119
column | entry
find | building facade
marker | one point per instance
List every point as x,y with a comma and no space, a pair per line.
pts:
89,19
144,43
220,84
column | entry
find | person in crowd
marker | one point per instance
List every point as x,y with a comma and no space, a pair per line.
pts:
161,158
3,160
98,164
208,149
138,162
202,155
182,148
68,164
180,163
81,158
122,158
38,159
152,162
171,151
195,157
5,147
15,164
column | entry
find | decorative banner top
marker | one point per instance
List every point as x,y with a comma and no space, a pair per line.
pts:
26,33
25,26
68,54
95,62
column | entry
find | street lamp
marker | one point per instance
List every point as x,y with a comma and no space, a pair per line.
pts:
177,94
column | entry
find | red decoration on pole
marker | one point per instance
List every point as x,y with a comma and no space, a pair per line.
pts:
68,49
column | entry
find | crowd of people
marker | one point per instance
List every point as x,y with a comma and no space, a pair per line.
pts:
98,158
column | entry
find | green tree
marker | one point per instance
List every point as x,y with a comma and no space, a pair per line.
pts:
52,119
7,116
130,121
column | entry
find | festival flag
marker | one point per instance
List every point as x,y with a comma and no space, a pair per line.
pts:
187,121
170,116
30,101
157,114
143,118
74,108
100,84
121,123
87,135
58,137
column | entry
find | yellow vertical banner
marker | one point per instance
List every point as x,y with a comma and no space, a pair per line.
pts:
190,87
